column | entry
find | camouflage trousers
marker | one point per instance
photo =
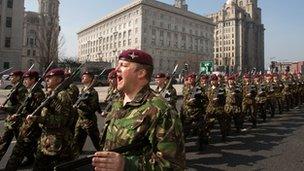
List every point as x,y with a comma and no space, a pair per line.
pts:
249,109
235,113
192,121
223,120
287,101
26,145
6,139
83,129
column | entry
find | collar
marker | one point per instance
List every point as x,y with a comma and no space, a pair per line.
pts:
140,97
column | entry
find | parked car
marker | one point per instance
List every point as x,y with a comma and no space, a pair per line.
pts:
5,83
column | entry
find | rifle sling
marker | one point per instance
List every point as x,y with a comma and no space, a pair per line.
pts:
87,160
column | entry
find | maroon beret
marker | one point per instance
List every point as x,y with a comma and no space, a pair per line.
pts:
247,76
231,78
16,73
112,74
55,72
204,77
88,73
160,75
268,75
191,75
137,56
214,78
32,74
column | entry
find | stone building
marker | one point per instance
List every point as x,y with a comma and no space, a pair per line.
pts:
11,20
40,35
239,36
170,33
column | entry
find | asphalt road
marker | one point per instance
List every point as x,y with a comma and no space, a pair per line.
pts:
275,145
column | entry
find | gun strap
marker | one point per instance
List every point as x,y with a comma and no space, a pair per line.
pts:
87,160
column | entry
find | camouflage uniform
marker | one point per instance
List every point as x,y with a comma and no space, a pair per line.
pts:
233,105
170,95
270,103
261,99
278,94
11,127
87,120
29,133
249,103
215,110
287,96
192,112
146,116
55,143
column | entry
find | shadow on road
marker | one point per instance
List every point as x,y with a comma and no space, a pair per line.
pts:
233,153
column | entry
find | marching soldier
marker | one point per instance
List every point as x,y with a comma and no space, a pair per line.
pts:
249,103
270,90
87,120
17,96
29,132
142,118
261,96
287,96
215,109
278,91
301,84
56,121
170,94
233,105
112,92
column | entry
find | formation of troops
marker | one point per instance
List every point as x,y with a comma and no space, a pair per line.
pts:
144,128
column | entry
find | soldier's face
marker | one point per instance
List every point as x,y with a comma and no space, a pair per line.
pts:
203,81
14,79
127,76
52,82
160,81
86,79
231,82
214,82
191,80
28,82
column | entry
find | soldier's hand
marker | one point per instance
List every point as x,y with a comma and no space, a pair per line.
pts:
30,118
107,160
13,117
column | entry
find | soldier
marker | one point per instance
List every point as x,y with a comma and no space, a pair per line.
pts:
17,96
249,103
278,91
301,84
73,89
192,109
270,91
233,105
29,132
170,94
261,97
112,93
287,96
56,121
87,120
215,109
142,118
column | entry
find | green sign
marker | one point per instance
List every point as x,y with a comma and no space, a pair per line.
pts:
206,67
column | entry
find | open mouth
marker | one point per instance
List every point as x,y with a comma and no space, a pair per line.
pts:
119,78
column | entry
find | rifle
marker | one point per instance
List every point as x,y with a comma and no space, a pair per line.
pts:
85,95
169,83
63,85
28,99
197,82
15,88
87,160
2,72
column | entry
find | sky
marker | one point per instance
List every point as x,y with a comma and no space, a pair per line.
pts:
282,19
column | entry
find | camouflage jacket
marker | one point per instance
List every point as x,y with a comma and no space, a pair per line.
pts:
16,99
73,92
90,105
149,116
216,97
262,91
56,122
170,94
36,99
112,94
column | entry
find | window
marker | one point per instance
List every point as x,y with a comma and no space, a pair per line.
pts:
9,3
9,22
6,65
28,52
7,42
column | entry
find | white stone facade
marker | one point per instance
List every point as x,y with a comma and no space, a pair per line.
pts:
170,34
239,36
11,20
